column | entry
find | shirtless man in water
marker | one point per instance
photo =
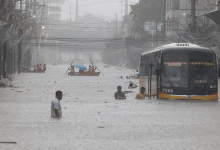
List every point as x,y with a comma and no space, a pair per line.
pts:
132,86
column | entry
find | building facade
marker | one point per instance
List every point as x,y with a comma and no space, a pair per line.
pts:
178,13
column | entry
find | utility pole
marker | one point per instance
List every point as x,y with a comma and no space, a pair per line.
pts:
193,15
34,62
77,5
27,18
121,14
116,24
157,32
20,32
34,8
9,11
70,13
164,21
1,40
21,5
1,48
126,7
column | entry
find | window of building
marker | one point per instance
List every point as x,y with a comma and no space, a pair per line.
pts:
176,4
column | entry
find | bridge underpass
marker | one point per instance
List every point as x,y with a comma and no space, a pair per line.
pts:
65,53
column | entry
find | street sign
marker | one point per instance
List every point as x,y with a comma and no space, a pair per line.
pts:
55,9
151,26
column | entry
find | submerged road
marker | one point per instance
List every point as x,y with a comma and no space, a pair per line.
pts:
93,120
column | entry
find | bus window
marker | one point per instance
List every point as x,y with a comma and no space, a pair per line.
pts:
146,57
202,71
156,55
152,56
147,69
142,69
195,69
175,70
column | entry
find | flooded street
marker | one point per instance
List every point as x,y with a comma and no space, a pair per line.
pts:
93,119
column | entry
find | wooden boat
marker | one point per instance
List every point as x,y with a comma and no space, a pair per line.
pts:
32,71
86,74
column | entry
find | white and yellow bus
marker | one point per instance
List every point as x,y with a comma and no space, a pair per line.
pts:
180,71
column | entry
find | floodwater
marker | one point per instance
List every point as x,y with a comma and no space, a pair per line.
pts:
93,120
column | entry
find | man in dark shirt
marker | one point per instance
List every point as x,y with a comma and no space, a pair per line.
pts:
119,94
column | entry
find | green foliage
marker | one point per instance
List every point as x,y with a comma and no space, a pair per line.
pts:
146,10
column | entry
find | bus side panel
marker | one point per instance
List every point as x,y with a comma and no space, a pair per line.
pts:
143,82
153,84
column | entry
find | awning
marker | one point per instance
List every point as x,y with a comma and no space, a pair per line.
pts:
214,15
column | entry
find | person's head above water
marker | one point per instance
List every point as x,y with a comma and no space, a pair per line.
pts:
131,84
142,90
119,88
59,95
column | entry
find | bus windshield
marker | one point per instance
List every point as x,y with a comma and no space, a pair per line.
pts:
188,69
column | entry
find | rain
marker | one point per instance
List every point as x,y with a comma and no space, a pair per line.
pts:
109,74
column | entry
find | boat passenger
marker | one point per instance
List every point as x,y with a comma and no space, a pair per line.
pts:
132,86
35,68
28,68
93,68
119,94
90,68
44,68
81,71
72,71
39,68
142,94
22,67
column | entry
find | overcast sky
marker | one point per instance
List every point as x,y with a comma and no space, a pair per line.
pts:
101,8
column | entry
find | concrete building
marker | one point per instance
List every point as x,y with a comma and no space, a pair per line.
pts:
178,14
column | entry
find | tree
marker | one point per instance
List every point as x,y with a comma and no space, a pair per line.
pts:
146,10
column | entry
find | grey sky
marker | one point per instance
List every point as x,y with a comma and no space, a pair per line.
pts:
102,8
